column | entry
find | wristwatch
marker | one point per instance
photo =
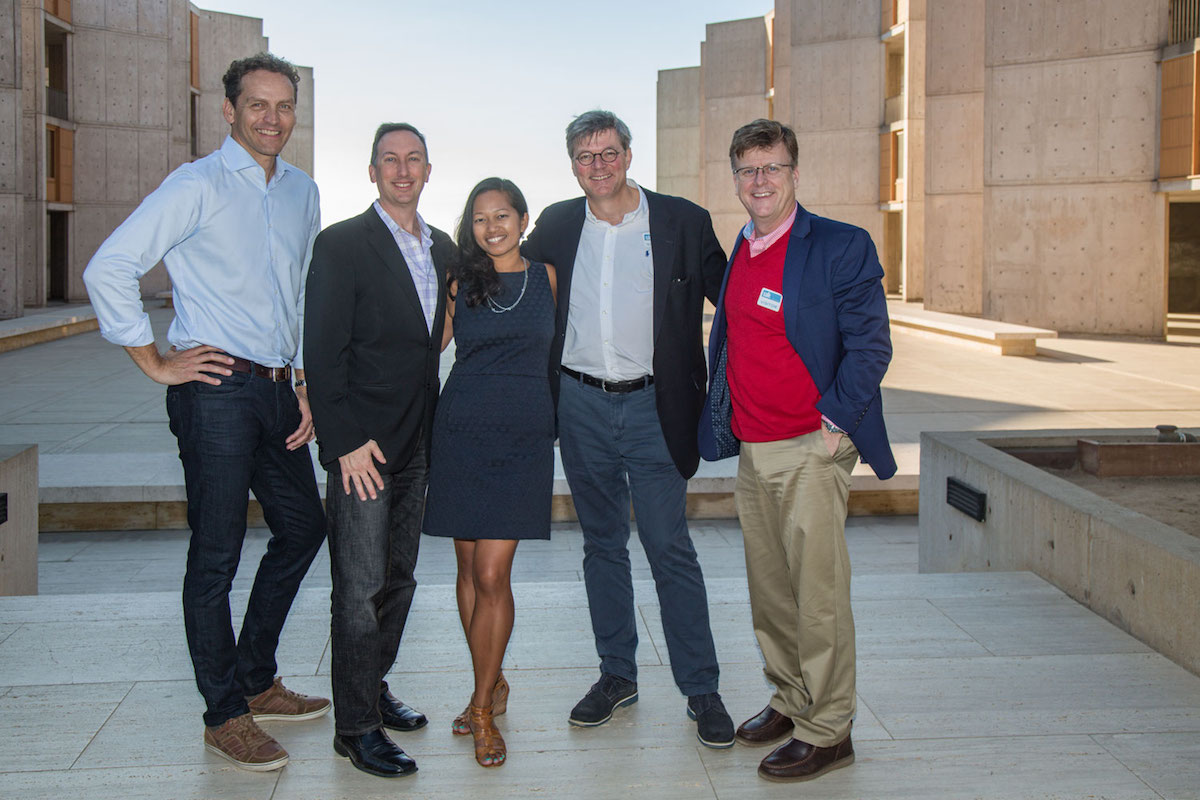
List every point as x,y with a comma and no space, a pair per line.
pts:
830,427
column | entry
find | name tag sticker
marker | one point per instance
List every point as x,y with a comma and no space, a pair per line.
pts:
770,300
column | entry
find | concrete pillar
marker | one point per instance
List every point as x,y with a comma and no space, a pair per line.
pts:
19,534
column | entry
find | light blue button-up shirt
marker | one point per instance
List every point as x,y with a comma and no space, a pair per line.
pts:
236,247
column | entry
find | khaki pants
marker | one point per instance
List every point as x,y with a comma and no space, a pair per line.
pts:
791,500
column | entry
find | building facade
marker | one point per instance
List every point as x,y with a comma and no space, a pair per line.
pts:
99,101
1033,162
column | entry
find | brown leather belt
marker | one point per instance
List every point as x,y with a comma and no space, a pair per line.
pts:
614,387
277,374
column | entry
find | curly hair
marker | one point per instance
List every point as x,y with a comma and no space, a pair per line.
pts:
473,269
243,66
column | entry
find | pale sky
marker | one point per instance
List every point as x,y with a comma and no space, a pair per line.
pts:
491,85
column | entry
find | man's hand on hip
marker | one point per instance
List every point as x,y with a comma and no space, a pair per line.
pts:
202,363
358,468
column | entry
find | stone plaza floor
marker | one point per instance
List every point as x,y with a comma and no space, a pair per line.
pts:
977,685
983,685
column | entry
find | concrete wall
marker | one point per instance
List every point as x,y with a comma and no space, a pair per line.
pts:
954,91
678,133
835,103
121,89
130,107
1073,236
1134,571
915,146
11,196
19,535
1031,129
734,72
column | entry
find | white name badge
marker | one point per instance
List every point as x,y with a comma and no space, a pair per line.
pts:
770,300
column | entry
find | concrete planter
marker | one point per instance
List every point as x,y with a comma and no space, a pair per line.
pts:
1140,574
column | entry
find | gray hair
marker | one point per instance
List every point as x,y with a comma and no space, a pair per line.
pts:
593,122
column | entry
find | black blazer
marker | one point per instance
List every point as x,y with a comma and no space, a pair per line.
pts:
688,266
370,362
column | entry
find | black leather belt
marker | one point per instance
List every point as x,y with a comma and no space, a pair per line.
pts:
614,387
277,374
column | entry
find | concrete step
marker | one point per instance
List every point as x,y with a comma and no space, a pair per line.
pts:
1011,339
145,491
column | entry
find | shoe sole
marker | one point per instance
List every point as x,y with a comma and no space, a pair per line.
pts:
723,745
841,762
267,717
578,723
265,766
344,753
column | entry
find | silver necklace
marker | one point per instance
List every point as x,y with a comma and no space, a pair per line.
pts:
499,309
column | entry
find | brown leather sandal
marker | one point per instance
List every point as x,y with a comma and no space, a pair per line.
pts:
490,750
460,726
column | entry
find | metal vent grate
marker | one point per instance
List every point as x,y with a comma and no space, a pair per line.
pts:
971,502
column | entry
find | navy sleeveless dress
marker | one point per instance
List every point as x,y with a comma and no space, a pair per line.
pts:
491,468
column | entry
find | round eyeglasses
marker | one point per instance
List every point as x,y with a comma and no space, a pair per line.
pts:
608,155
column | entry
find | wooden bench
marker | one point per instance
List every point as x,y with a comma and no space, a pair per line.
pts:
1012,339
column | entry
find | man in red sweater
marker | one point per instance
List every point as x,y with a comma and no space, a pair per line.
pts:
799,347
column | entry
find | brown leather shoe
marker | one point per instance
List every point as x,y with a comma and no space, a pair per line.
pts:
766,727
244,743
800,761
281,703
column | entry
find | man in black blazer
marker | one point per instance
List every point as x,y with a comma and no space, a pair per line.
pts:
634,268
374,316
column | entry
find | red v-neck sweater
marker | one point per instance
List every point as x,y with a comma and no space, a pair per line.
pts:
773,395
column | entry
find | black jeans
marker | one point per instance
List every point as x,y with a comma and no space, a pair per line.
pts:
373,553
231,441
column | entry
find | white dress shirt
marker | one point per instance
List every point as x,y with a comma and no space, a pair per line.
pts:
610,320
236,247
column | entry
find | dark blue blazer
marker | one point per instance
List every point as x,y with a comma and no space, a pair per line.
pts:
835,316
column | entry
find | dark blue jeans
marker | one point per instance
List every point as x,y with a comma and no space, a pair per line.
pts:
231,442
373,553
613,448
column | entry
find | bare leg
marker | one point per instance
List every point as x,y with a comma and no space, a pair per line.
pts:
491,621
464,588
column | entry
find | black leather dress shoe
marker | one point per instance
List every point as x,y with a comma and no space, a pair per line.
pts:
800,761
399,716
766,727
375,753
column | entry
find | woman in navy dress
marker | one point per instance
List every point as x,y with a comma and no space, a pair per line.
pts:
491,470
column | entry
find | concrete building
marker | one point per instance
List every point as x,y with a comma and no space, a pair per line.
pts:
99,101
1033,162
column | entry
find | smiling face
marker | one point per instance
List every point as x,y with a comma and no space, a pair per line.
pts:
601,180
401,170
497,226
769,200
264,116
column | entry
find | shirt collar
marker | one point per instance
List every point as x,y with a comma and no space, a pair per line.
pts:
395,228
633,216
238,158
760,243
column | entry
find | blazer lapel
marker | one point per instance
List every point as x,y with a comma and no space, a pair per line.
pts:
794,265
384,244
662,249
572,231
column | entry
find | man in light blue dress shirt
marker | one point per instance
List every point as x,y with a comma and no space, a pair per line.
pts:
235,231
